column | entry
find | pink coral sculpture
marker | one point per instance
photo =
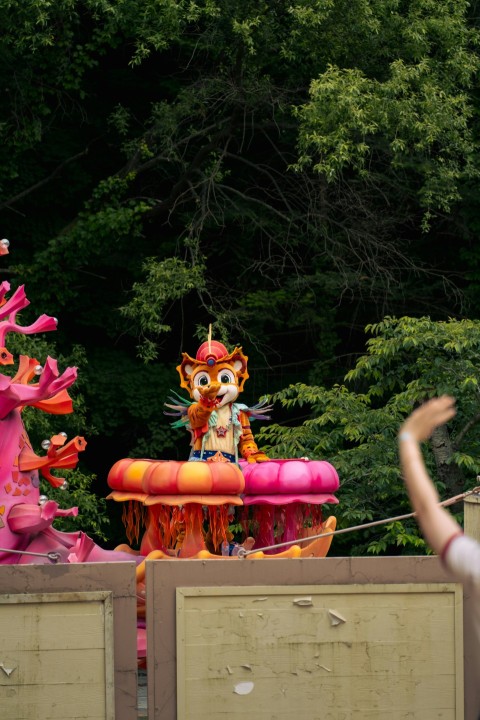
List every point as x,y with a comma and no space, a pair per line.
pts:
26,518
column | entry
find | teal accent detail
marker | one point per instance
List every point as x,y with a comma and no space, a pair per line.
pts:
240,406
237,426
181,423
184,401
180,408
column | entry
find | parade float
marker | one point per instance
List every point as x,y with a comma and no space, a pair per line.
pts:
185,508
172,509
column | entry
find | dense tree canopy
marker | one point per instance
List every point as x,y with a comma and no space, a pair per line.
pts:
288,171
355,423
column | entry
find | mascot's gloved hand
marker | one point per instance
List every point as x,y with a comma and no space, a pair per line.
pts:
257,457
252,454
209,392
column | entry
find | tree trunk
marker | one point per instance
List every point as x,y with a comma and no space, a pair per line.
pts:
449,473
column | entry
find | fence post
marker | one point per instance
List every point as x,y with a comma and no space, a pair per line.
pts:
471,522
471,519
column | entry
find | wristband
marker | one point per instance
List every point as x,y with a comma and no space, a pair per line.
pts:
405,435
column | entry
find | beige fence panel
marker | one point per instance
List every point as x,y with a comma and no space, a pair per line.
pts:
68,642
364,652
197,639
56,656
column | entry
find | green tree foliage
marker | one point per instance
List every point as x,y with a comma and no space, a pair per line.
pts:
252,146
354,425
92,515
288,171
409,114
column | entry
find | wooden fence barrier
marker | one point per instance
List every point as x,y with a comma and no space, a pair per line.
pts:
334,637
68,642
353,637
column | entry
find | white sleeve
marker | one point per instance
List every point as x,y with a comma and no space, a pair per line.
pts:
462,557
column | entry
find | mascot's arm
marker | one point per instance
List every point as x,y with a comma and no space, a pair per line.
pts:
199,412
247,445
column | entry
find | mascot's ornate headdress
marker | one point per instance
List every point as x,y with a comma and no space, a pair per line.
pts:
213,353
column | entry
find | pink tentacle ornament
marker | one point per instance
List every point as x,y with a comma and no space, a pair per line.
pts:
24,514
10,307
26,517
15,395
285,495
27,534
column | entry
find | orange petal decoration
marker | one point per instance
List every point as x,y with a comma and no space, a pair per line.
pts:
170,477
65,457
59,404
127,475
195,477
161,478
6,358
26,370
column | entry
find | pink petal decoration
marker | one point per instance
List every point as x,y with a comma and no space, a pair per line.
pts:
288,499
4,288
82,549
10,431
27,518
13,395
17,302
284,477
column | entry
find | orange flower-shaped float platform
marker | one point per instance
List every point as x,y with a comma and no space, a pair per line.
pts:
189,505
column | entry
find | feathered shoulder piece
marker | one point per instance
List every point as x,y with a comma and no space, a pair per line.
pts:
180,406
258,411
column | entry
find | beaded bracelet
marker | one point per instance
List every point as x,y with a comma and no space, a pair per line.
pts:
405,435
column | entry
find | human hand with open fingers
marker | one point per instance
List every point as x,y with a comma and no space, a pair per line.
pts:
433,413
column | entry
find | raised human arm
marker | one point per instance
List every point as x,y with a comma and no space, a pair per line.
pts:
437,525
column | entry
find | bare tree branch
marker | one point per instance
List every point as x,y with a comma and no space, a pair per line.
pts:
55,173
459,438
